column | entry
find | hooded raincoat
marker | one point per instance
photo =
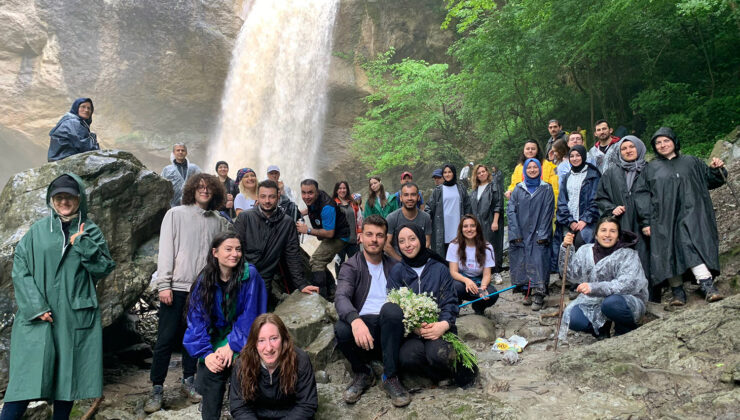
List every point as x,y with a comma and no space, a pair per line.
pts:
72,134
620,273
62,360
672,197
530,233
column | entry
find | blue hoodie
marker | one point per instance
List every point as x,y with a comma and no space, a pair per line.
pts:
72,134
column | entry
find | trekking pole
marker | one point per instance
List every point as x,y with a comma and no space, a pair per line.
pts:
480,298
562,295
729,185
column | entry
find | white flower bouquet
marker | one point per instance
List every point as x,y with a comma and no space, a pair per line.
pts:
421,308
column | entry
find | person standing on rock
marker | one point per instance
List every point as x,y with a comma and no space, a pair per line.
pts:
56,345
329,225
184,244
368,326
343,197
471,261
408,213
72,133
529,213
268,235
228,295
179,171
272,378
487,204
446,207
424,351
611,283
675,210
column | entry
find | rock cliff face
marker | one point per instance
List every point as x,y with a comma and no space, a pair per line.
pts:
125,199
156,70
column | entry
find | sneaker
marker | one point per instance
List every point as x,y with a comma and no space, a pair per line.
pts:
497,279
188,390
711,294
527,300
679,296
399,396
538,301
360,383
154,403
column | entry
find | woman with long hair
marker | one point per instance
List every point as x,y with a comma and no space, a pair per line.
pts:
531,150
226,298
272,378
471,259
246,179
446,206
487,204
612,284
529,213
343,197
379,201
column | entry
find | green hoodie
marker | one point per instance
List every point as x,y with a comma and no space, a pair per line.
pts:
62,360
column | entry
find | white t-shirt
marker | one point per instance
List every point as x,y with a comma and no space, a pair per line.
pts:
481,188
418,271
470,268
376,295
243,203
451,210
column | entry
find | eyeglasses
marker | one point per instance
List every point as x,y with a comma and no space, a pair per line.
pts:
203,188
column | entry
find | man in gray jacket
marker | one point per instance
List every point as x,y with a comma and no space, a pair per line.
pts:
184,243
179,171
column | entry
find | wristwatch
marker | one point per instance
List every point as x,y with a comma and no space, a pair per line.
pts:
309,231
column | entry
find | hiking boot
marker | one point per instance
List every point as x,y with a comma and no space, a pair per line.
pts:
360,383
527,300
497,279
479,311
711,294
679,296
538,301
188,390
154,403
605,331
399,396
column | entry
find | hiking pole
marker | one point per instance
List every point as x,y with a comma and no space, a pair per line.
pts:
480,298
562,295
729,185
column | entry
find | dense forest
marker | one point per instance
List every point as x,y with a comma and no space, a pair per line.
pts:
641,64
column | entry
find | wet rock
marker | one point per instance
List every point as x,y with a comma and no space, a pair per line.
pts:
125,199
476,327
323,349
37,410
322,377
306,316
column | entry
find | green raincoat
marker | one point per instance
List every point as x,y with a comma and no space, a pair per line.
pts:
63,360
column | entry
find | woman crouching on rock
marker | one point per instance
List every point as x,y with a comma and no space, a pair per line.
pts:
610,279
228,295
56,346
272,378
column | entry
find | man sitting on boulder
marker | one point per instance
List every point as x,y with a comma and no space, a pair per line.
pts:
368,326
267,234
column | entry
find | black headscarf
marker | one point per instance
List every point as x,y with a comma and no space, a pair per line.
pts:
424,253
581,151
454,175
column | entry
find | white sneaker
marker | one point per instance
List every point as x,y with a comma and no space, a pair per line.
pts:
497,279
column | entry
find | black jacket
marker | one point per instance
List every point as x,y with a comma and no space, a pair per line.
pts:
265,240
353,285
435,279
270,402
341,227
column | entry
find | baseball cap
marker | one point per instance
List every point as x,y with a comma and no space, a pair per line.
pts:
405,174
273,168
65,184
437,173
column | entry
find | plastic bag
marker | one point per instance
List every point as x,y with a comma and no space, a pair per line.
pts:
515,343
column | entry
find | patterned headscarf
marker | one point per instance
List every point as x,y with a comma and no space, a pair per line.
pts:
241,172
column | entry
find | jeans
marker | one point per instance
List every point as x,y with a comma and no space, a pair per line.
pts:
14,410
387,332
170,331
615,309
211,386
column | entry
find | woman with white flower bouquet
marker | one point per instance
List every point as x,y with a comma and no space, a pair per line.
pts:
426,349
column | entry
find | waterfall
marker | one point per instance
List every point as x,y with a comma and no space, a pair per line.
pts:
274,101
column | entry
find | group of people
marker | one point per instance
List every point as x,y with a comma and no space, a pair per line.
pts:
624,226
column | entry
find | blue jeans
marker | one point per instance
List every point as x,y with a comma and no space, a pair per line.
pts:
615,309
14,410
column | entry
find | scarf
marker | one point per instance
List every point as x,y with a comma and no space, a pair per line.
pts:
424,253
454,175
241,172
631,169
582,152
531,183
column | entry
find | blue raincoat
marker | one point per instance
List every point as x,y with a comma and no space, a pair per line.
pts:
72,134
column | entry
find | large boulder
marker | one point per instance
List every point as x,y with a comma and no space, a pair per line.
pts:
125,199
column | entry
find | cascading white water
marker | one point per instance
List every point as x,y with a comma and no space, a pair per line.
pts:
274,102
